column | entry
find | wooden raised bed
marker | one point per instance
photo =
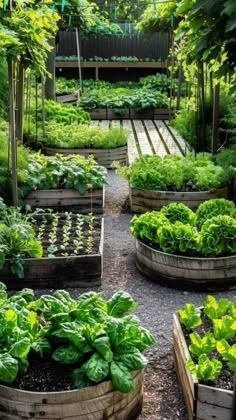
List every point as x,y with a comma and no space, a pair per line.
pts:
99,402
147,200
59,272
130,113
185,272
103,157
203,402
71,98
91,201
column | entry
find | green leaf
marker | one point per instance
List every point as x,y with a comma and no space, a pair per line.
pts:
79,378
214,309
20,349
42,346
103,347
133,359
8,368
67,355
202,345
190,317
120,303
96,368
206,369
121,377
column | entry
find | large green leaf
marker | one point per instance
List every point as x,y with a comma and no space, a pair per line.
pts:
121,377
66,355
8,368
120,303
96,368
20,349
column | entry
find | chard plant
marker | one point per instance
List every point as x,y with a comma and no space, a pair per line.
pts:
66,233
79,234
52,239
99,339
90,238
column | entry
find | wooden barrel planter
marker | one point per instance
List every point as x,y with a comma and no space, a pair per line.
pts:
59,272
203,402
103,157
185,272
99,402
92,201
147,200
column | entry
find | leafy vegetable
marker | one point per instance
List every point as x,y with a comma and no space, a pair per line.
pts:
224,328
218,235
92,335
190,317
206,369
228,353
200,345
215,309
214,207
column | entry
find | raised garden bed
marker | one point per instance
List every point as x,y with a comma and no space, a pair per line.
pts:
91,201
185,272
62,267
203,402
130,113
103,157
98,402
145,200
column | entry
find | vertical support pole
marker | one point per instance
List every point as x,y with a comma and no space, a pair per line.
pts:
20,103
180,78
43,108
50,91
12,133
215,121
96,73
78,58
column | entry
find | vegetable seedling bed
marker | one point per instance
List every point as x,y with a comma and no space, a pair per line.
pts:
72,254
145,200
91,201
103,157
203,402
178,271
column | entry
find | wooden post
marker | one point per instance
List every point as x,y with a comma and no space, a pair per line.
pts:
12,133
20,103
43,108
234,400
215,121
180,78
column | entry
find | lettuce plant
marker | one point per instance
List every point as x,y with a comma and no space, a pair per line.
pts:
214,207
200,345
190,317
218,235
215,309
228,353
206,369
99,339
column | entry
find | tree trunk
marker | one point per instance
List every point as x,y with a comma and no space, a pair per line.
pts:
50,64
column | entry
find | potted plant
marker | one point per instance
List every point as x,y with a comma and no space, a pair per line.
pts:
65,357
156,181
184,249
204,357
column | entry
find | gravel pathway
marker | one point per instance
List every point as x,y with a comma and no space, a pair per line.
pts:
163,399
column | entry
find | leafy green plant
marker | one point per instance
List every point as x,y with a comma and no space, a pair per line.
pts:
179,212
215,309
99,339
190,317
201,345
214,207
218,235
75,136
64,113
172,230
175,173
206,369
224,328
228,353
17,240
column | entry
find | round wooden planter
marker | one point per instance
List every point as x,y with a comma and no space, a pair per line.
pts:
98,402
147,200
186,272
103,157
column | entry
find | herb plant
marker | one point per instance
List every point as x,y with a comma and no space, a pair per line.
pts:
99,339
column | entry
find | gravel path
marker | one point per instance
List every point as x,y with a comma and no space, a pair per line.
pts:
163,399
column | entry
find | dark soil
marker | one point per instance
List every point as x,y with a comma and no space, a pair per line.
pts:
163,399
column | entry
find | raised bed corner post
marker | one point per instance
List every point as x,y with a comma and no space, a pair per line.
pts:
234,400
50,92
12,132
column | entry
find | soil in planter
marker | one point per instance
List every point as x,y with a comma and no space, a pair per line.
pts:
45,376
226,378
85,249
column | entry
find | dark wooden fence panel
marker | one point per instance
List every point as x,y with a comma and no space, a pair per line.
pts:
154,46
